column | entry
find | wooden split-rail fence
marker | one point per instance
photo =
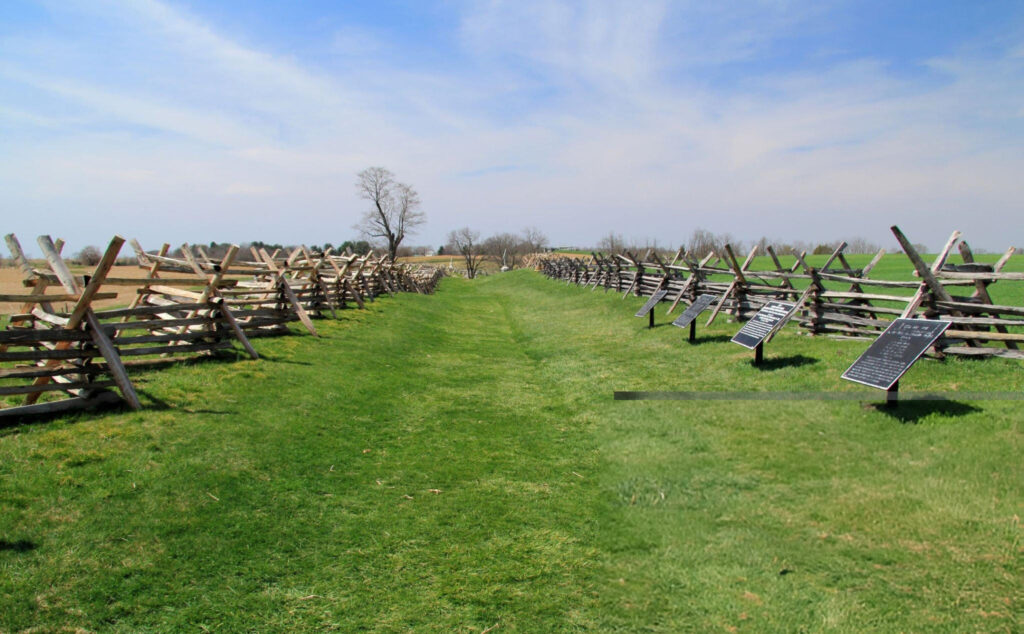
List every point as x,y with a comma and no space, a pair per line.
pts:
183,307
835,299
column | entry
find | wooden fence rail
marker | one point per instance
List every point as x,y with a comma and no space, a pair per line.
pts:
182,308
834,299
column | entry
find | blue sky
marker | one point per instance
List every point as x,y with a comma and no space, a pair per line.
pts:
192,121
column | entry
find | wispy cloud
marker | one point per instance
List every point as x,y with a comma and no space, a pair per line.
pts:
573,116
123,108
595,41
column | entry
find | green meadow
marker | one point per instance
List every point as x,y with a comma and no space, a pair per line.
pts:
457,462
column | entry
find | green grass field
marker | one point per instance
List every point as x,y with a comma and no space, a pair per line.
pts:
895,267
457,462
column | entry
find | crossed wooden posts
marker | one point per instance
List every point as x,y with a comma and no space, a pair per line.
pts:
181,307
834,299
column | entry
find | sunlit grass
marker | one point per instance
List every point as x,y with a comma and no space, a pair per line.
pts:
457,462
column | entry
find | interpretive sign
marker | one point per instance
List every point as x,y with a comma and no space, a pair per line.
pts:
895,350
698,306
773,315
651,303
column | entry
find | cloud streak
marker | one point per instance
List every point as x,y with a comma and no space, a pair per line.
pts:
647,118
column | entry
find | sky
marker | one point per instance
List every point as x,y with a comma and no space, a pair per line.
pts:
186,121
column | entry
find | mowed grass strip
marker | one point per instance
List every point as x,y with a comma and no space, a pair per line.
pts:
456,462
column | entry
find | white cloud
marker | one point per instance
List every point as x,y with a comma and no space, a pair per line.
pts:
599,41
129,109
577,117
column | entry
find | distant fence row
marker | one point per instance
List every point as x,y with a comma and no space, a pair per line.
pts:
834,299
182,308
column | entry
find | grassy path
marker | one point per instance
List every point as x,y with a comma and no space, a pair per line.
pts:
456,462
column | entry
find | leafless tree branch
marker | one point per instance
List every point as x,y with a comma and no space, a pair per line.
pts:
466,243
395,208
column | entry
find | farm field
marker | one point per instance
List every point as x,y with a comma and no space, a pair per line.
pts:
10,282
456,262
457,462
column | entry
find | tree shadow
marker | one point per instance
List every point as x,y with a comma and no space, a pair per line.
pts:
20,546
778,363
911,411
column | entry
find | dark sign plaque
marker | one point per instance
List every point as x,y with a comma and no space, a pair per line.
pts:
895,350
651,303
773,315
698,306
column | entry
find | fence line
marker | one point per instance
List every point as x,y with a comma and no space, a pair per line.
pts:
834,299
184,308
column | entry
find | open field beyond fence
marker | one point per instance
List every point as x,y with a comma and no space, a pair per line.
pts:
456,462
11,282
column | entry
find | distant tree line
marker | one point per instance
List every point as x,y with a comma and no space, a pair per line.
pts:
91,256
702,242
505,249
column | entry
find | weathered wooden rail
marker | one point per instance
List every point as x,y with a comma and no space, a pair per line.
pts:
182,308
834,299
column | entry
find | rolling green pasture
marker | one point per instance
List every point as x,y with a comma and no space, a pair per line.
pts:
457,462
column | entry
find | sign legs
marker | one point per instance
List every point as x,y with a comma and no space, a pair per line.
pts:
693,330
759,353
892,395
650,324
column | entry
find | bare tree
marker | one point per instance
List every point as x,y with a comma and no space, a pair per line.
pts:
701,243
534,240
794,248
89,256
466,243
394,211
612,243
861,245
504,249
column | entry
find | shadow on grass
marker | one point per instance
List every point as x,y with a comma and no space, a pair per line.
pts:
778,363
272,359
911,412
709,339
645,327
685,330
218,357
151,402
102,401
20,546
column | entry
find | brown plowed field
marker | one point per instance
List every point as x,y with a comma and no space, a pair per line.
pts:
10,282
